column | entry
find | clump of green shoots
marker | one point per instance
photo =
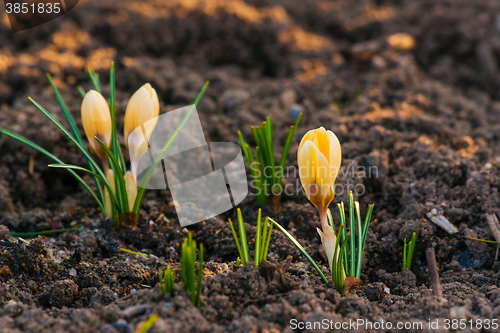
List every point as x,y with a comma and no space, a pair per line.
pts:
118,195
347,260
266,179
353,256
408,252
167,284
338,272
262,239
191,281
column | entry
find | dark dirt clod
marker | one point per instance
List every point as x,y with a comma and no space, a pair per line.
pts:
59,294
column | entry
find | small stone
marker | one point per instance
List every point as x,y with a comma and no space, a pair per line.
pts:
297,109
5,271
72,272
288,98
11,309
135,310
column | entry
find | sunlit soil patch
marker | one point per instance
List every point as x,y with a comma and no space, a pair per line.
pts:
6,61
71,39
372,13
303,41
312,69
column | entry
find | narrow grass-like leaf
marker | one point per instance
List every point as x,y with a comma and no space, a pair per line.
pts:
145,181
103,180
359,233
237,241
117,152
269,234
94,77
134,252
482,240
301,249
340,270
149,323
288,142
335,259
408,252
258,239
343,234
270,145
54,158
65,131
81,91
119,180
74,129
254,171
368,217
263,253
243,235
170,283
66,112
353,235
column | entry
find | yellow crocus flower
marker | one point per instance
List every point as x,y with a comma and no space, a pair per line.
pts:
319,157
96,120
142,110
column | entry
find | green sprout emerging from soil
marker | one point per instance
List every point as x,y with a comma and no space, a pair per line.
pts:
338,273
319,158
191,278
167,284
408,252
191,281
357,235
268,184
118,194
262,239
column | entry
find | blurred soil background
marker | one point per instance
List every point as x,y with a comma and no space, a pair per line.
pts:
420,110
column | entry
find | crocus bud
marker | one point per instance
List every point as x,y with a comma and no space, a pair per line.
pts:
110,176
319,156
96,121
142,111
131,187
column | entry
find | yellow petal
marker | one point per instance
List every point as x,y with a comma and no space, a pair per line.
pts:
322,142
311,136
96,120
335,155
314,173
305,162
154,98
143,107
131,187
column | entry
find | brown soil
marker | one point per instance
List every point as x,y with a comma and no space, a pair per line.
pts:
428,119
